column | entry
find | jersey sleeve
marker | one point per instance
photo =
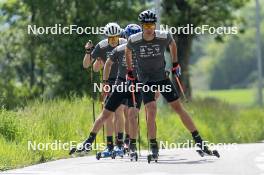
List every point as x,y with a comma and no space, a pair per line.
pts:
129,44
97,52
169,38
122,41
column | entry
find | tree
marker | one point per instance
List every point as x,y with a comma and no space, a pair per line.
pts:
51,65
209,12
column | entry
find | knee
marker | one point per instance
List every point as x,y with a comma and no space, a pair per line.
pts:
125,111
132,114
177,107
119,111
105,115
151,107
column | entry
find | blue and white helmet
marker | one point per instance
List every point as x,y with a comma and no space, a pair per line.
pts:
112,29
123,33
132,29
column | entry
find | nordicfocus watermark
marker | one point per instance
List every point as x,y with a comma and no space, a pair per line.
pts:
189,29
125,87
58,145
190,144
58,29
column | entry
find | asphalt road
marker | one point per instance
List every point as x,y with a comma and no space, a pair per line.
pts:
241,159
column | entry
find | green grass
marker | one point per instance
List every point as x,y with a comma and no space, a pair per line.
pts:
70,120
245,97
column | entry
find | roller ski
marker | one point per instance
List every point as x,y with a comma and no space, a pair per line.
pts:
106,153
207,152
153,157
133,153
155,154
119,151
86,148
204,150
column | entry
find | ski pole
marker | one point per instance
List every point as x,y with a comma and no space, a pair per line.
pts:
146,116
134,107
102,105
180,86
93,112
139,137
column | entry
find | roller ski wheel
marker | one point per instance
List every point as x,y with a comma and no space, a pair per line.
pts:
113,156
152,157
208,153
133,156
98,156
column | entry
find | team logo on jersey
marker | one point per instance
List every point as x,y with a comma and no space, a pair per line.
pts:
108,54
142,49
157,49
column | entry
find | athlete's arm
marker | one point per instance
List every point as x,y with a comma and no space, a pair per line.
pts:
87,60
176,68
107,69
173,51
98,65
128,54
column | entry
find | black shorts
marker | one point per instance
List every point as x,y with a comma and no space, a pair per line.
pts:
111,82
170,93
117,98
125,102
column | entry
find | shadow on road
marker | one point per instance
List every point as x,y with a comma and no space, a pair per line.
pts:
183,161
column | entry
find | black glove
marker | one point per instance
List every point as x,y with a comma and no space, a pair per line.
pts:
90,49
130,77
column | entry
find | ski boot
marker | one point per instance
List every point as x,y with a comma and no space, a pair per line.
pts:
126,146
204,151
126,149
133,152
155,154
119,150
108,152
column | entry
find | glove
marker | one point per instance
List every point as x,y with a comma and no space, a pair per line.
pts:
176,69
89,47
130,77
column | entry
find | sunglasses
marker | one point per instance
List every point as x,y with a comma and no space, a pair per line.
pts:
148,25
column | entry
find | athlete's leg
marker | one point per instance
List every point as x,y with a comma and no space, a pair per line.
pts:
184,116
103,117
126,122
109,124
133,118
173,99
119,123
151,109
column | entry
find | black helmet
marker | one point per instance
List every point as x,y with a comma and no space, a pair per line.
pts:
147,16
